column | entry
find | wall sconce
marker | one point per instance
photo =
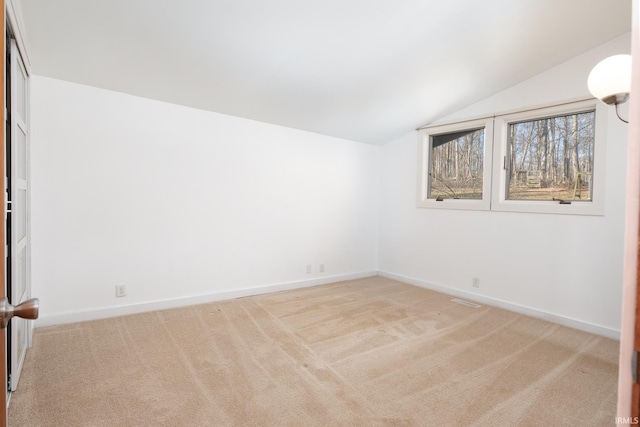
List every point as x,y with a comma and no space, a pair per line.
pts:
610,81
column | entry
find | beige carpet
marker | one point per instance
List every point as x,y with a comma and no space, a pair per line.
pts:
370,352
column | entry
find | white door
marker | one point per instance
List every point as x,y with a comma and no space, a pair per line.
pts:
21,329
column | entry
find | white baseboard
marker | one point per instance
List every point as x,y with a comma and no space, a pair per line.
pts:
528,311
103,313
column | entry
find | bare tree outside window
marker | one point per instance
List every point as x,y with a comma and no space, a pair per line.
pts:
456,165
551,158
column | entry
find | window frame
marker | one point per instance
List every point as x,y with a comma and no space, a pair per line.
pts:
424,152
495,151
595,206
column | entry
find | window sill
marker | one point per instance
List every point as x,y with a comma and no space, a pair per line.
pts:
463,204
576,207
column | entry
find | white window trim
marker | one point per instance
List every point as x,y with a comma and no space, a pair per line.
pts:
424,150
593,207
495,150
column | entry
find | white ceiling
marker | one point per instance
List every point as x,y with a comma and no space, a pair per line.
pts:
364,70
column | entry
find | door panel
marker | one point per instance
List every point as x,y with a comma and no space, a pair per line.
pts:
19,245
3,241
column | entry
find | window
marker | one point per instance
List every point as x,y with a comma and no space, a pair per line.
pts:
551,158
561,149
456,166
547,160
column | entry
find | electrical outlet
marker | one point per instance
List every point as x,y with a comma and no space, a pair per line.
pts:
476,282
321,268
121,291
308,268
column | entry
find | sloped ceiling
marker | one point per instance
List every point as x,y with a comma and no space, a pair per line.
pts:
364,70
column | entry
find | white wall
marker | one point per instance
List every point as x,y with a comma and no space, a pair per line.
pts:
186,205
183,205
565,268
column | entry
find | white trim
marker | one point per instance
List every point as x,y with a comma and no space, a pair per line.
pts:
521,309
87,315
103,313
506,112
14,18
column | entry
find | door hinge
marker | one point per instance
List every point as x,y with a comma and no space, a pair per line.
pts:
634,366
504,163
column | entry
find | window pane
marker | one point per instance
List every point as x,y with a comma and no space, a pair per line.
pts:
551,158
456,165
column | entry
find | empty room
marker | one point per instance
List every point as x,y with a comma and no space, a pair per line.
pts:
337,213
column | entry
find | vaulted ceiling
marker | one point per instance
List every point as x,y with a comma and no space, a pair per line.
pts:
364,70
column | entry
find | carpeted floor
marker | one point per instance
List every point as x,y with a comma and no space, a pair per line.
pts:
369,352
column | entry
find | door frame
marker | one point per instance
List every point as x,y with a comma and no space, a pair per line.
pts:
10,20
628,394
3,238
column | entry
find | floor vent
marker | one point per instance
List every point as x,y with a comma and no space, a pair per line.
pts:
467,303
